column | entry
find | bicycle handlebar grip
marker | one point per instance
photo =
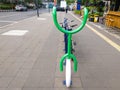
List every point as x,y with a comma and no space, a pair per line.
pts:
73,31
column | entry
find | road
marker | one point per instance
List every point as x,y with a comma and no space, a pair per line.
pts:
30,60
7,18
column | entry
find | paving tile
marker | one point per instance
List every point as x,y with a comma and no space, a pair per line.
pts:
13,89
17,82
23,73
65,88
15,59
6,53
2,71
2,59
75,83
27,65
101,88
38,89
39,82
45,65
41,73
30,59
2,88
13,70
5,65
4,81
99,76
58,73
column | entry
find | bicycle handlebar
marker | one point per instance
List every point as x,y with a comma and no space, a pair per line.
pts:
73,31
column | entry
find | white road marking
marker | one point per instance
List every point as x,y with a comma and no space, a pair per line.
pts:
41,18
15,32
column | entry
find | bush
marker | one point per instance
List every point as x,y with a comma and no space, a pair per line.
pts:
101,14
77,12
6,6
97,13
89,8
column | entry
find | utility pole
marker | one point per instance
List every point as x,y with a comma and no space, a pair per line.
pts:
49,6
36,4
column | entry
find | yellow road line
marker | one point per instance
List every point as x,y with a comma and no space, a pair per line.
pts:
116,46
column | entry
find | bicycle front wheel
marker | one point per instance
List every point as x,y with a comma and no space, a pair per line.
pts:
68,72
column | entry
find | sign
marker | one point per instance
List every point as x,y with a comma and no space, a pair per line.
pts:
78,4
63,4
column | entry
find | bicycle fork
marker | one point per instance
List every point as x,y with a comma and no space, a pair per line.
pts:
69,55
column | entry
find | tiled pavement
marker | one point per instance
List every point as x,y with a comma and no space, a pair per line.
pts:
31,61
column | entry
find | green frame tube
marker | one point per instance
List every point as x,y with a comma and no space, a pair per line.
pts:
54,14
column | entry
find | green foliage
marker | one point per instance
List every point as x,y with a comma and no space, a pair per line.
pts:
95,10
70,1
40,1
6,6
5,1
101,14
29,1
77,12
95,7
96,13
89,8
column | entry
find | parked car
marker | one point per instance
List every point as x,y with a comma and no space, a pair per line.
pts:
58,8
20,8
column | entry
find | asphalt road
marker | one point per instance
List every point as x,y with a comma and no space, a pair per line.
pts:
7,18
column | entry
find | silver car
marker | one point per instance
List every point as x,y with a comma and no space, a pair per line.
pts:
20,8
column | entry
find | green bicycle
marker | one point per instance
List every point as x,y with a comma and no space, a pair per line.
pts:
69,56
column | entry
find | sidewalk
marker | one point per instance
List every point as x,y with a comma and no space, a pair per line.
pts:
31,61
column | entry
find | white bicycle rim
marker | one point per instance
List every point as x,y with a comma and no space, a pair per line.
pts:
68,72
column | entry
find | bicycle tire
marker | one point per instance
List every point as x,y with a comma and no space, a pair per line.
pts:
68,73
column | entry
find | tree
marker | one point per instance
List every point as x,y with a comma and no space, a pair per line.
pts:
4,1
70,1
29,1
